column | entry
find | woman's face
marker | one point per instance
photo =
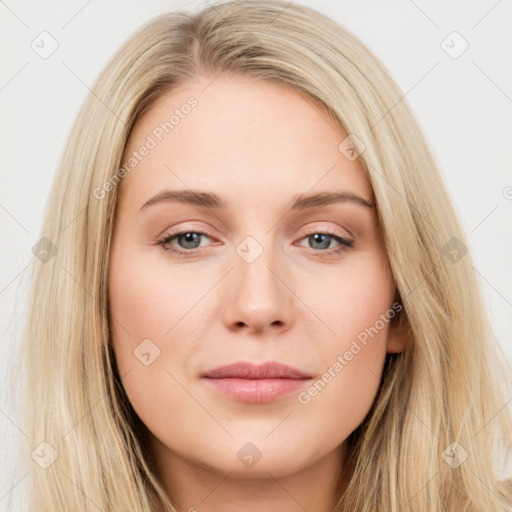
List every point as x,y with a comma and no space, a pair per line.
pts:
256,279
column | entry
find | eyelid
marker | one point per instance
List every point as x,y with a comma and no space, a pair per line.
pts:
319,227
188,226
315,227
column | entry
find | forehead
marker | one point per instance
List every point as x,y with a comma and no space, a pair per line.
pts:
245,138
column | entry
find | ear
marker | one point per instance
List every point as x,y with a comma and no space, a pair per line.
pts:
399,334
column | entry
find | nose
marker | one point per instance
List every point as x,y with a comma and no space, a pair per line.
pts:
258,297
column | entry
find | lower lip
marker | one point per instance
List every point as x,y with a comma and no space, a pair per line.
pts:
256,390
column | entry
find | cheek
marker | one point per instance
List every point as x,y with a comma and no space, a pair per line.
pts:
143,308
358,310
351,302
140,307
145,302
341,397
154,319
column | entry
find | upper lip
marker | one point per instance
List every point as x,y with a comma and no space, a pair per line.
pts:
246,370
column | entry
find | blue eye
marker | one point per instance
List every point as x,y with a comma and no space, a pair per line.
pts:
323,239
191,240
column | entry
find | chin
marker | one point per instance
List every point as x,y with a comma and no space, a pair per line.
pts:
250,462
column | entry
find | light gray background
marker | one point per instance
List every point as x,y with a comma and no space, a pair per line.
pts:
464,105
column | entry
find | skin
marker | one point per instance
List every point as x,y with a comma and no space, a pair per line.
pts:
256,144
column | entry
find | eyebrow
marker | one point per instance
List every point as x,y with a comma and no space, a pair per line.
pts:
213,201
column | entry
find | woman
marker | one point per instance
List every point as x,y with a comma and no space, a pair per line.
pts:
255,292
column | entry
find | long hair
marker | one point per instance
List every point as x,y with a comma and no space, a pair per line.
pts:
438,425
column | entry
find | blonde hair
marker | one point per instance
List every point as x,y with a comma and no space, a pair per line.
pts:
447,385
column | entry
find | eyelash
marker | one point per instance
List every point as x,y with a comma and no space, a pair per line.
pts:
345,244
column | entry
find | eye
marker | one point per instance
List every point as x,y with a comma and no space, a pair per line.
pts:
319,240
190,240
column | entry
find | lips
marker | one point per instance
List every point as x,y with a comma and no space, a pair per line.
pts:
246,382
245,370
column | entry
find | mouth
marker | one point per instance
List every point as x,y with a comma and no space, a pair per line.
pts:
246,382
